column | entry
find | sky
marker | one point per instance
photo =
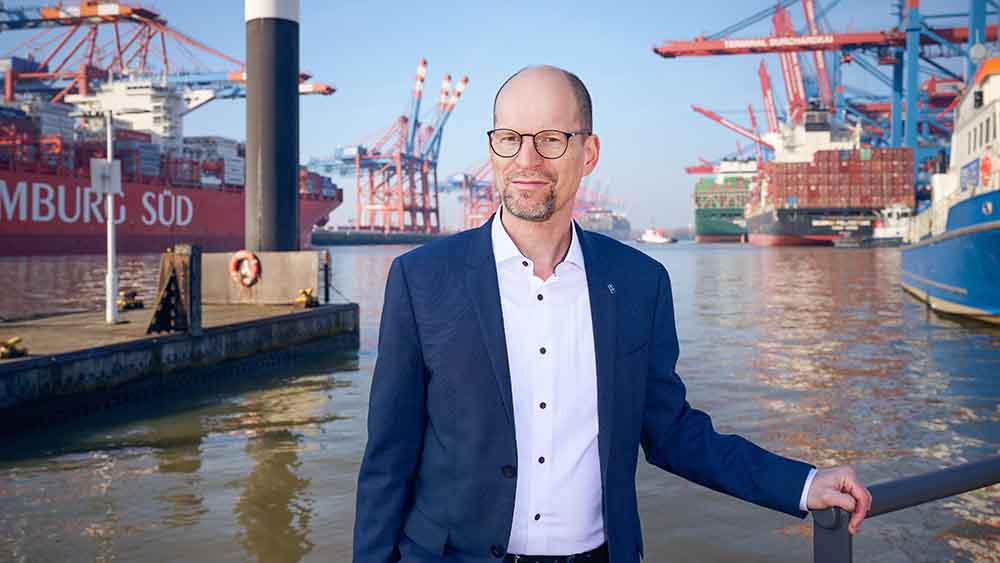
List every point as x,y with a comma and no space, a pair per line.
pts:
370,51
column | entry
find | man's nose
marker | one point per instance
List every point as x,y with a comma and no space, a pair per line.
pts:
528,157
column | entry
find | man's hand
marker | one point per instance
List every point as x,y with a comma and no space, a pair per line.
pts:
839,486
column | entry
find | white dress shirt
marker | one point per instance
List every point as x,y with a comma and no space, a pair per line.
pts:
553,371
553,376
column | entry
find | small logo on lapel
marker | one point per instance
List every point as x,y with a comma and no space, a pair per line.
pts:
611,288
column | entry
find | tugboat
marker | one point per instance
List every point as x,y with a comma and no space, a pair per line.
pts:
952,248
655,236
891,226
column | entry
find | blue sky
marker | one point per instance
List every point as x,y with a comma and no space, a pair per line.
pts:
369,52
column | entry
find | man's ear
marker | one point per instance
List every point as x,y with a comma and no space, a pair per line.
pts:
591,153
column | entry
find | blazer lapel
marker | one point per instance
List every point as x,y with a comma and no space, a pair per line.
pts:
481,278
603,313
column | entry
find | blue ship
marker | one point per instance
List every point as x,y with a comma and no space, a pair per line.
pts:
952,256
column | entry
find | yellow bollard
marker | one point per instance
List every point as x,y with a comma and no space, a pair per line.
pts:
10,349
306,298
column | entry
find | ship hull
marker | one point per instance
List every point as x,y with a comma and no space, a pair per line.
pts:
955,272
47,214
808,227
703,239
719,225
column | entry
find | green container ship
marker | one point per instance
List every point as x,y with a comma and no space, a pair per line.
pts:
720,201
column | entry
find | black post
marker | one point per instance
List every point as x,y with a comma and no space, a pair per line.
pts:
832,543
326,276
272,153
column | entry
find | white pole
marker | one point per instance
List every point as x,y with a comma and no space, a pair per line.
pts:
111,282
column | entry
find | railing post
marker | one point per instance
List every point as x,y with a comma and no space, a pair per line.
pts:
832,543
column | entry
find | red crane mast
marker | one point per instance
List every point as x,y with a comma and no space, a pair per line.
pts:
756,146
819,59
768,96
791,70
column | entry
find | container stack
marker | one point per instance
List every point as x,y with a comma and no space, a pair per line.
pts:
52,119
327,187
55,154
315,184
138,158
867,178
222,163
233,171
307,182
183,171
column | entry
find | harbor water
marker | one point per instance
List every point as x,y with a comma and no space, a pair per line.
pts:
814,353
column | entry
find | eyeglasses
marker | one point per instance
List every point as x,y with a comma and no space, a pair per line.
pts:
550,143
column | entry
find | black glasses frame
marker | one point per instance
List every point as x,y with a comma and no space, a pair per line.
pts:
568,134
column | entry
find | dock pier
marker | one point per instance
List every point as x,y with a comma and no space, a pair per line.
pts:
79,364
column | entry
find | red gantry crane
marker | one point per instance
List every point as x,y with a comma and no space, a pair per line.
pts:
138,43
396,183
479,196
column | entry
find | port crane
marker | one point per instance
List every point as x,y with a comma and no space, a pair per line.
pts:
78,46
911,48
396,180
476,192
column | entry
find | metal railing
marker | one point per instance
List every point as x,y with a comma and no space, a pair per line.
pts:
832,543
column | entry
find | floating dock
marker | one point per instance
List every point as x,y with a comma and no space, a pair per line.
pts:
77,363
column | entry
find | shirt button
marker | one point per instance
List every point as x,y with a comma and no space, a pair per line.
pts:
540,297
542,405
498,551
508,471
541,459
524,263
541,350
538,516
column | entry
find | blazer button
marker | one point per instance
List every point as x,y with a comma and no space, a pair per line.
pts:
498,551
508,471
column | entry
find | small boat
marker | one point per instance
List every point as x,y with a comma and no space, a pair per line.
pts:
891,226
655,236
888,230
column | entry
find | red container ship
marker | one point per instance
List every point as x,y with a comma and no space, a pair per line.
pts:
191,193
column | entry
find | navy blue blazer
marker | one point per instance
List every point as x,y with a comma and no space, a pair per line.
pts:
437,480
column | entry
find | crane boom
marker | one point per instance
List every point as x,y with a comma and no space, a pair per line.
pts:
824,42
733,126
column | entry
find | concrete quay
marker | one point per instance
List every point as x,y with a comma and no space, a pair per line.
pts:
77,363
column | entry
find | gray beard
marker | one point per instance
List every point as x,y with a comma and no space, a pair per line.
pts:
537,212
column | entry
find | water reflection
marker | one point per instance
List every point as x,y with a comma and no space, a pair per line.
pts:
275,510
182,503
854,373
48,284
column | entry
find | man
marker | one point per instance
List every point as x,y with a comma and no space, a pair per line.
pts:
522,364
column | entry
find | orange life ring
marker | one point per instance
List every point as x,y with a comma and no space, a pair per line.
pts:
244,267
985,168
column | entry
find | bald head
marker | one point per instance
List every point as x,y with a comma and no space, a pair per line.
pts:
523,83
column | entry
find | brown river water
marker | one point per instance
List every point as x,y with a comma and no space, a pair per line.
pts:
814,353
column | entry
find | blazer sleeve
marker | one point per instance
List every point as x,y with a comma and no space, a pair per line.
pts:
682,440
396,421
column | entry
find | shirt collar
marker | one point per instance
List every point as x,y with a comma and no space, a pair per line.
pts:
504,248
